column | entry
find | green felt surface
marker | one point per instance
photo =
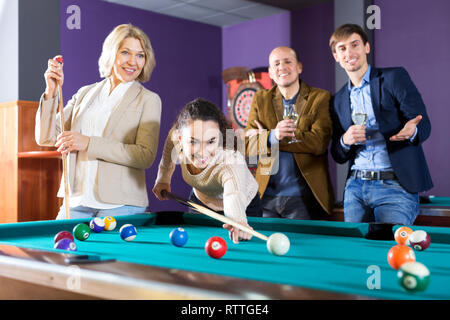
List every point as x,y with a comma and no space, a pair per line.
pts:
325,255
438,201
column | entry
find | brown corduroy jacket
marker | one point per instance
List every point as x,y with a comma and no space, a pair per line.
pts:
314,129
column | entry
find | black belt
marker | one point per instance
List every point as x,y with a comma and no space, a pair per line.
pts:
373,175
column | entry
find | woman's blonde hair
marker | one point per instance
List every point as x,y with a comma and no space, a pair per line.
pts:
112,44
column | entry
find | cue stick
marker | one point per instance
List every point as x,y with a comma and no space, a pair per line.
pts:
64,156
212,214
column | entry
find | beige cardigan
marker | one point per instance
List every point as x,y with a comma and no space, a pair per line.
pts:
127,147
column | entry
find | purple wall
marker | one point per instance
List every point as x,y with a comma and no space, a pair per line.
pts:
188,64
249,44
415,34
311,27
307,31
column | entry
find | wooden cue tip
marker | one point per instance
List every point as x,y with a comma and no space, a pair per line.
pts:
227,220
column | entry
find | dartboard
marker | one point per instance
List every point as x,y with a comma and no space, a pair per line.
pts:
243,101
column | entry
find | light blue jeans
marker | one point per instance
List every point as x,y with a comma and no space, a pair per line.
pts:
87,212
379,201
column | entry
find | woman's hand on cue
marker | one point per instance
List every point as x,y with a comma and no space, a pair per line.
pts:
53,75
237,234
158,188
69,141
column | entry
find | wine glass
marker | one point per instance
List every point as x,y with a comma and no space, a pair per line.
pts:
360,119
290,113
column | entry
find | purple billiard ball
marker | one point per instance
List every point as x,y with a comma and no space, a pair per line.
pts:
419,240
65,244
97,225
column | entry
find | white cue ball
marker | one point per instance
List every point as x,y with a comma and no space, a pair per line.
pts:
278,244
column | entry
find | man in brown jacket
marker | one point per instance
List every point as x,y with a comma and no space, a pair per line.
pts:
293,178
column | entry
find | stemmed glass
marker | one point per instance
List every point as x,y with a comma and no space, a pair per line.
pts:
290,112
359,118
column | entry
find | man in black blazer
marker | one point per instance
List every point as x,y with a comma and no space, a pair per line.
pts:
383,141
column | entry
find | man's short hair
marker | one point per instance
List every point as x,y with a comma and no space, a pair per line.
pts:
345,31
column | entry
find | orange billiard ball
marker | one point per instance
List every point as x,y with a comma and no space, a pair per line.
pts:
400,254
402,234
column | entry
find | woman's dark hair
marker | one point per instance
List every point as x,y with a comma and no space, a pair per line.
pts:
204,110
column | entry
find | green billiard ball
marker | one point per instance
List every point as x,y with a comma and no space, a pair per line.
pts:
81,231
414,276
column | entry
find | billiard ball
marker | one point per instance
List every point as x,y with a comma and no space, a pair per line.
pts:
414,276
402,234
110,223
278,244
400,254
81,231
62,235
97,225
65,244
178,237
420,240
128,232
216,247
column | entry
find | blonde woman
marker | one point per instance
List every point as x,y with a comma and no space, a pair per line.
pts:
111,128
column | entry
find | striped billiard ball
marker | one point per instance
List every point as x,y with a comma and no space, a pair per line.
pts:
65,244
110,223
97,225
128,232
419,240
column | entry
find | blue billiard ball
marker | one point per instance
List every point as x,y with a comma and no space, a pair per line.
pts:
128,232
65,244
178,237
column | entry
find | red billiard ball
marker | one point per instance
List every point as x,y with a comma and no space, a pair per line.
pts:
62,235
419,240
216,247
399,255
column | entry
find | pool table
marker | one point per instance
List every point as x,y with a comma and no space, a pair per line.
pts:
326,260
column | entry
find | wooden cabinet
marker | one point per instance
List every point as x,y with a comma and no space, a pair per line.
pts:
29,174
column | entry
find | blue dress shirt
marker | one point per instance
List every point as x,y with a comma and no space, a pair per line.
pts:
373,155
